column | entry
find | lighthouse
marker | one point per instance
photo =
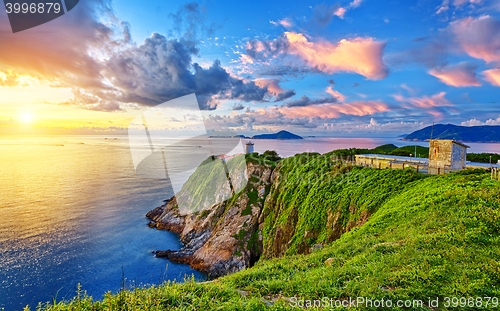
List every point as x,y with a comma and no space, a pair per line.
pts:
249,147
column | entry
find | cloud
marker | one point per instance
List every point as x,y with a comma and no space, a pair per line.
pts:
271,84
285,95
310,117
474,122
275,89
323,14
459,75
359,55
238,106
335,94
340,12
492,76
290,70
247,120
8,122
9,79
436,100
189,22
286,22
430,51
335,110
306,101
107,70
478,37
445,6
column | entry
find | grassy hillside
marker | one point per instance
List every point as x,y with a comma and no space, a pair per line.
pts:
315,200
434,236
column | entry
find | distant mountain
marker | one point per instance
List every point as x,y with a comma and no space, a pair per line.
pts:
471,134
279,135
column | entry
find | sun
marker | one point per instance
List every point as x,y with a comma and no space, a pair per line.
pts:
27,117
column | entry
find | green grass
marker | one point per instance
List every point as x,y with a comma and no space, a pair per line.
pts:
434,236
422,152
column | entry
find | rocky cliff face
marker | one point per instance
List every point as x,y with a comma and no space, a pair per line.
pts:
222,238
287,208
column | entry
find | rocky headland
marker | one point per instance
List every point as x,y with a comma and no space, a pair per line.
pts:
284,209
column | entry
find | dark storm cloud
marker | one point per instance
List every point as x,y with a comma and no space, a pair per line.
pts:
306,101
285,95
238,106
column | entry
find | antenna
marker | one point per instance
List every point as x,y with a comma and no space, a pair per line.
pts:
432,131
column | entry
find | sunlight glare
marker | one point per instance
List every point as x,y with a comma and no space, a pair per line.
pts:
27,117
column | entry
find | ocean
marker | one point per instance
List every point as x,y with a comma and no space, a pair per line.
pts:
72,211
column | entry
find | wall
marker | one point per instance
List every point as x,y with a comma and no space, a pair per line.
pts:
458,155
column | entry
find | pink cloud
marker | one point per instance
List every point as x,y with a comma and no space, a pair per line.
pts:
340,12
334,110
462,74
355,3
359,55
479,37
436,100
335,94
286,22
492,76
245,59
272,85
445,6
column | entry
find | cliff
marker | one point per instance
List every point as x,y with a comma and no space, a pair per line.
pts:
289,207
224,237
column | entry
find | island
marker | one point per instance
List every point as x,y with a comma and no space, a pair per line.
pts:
468,134
279,135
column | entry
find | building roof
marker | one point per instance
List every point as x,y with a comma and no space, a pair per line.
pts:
453,141
249,143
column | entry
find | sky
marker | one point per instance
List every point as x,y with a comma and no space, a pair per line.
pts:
365,68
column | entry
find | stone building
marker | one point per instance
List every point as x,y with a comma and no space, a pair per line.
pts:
446,156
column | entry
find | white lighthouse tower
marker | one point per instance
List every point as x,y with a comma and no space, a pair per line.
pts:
249,147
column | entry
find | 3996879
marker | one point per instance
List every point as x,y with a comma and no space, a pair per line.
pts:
25,8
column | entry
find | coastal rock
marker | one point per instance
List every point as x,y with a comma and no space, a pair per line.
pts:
223,238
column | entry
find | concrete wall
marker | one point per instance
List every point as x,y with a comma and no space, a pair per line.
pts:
446,156
458,157
440,154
